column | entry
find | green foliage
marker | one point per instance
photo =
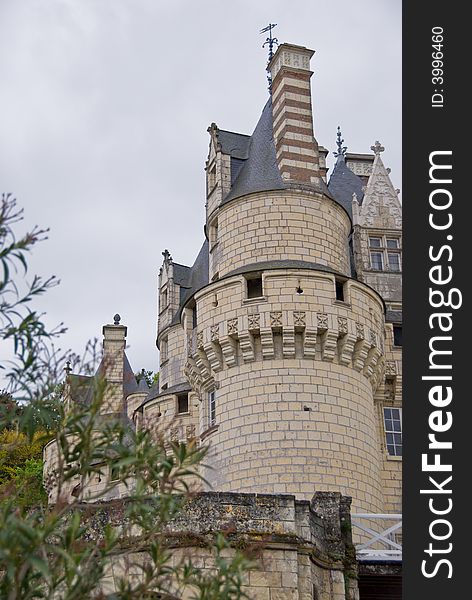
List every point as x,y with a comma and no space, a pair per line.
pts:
49,553
34,366
53,551
21,467
150,377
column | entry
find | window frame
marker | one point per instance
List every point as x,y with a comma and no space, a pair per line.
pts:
177,404
163,299
248,283
394,444
399,328
378,244
211,408
164,349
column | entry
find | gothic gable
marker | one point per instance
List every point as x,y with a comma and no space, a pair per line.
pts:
381,207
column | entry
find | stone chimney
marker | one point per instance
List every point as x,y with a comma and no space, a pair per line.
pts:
296,148
114,342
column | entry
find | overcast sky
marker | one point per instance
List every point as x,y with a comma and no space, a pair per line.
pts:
104,107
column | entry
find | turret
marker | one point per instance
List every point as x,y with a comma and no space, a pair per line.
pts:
286,350
121,396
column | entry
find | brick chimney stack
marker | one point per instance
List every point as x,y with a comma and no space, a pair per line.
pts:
296,148
114,342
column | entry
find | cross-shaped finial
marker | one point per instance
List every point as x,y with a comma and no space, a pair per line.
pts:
341,151
167,256
377,148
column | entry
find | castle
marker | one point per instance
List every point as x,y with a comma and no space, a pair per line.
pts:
280,347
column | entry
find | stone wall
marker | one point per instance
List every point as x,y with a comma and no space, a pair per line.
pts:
296,225
92,488
294,376
304,549
390,394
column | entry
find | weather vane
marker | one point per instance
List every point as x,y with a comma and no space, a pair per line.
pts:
270,41
339,142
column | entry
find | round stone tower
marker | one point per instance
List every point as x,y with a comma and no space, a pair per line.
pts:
287,349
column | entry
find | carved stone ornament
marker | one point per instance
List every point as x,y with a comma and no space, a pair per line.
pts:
214,333
373,337
190,432
254,321
359,331
299,318
342,325
200,339
276,319
232,326
322,319
390,367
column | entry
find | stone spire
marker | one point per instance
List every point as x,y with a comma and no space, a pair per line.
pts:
380,206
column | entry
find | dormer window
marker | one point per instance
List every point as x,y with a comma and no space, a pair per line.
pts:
211,178
163,300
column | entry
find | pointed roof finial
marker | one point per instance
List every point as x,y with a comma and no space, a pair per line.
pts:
270,41
116,319
167,256
68,368
377,148
341,151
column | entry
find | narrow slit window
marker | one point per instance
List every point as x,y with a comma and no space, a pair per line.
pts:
340,290
393,431
182,403
211,408
397,335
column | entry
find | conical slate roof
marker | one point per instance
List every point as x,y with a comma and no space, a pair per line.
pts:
260,171
143,386
198,277
343,183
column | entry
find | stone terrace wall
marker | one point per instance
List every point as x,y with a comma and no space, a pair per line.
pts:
304,548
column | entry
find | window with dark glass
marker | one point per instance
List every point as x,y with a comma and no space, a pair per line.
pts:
393,261
182,403
339,290
393,431
376,261
397,335
254,287
385,254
